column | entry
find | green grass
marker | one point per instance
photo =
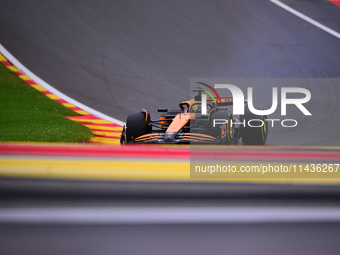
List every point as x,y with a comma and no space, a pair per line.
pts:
28,115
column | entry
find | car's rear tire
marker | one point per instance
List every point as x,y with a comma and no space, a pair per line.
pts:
223,132
254,135
137,124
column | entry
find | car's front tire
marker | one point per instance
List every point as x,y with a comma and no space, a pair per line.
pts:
137,124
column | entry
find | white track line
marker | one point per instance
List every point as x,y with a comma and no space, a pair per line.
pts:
44,84
191,215
306,18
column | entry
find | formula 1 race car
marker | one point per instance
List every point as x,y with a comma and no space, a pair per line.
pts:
189,125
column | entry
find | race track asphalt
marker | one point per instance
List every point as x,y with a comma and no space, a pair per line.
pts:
120,56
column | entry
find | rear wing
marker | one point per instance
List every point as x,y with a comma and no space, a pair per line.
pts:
225,101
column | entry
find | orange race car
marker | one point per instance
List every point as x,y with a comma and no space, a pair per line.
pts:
189,125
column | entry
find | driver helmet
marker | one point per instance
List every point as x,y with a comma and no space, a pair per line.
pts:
196,108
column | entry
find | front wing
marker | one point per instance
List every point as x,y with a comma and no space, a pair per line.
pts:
180,138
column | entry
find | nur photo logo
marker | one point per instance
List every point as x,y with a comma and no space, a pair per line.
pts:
240,103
